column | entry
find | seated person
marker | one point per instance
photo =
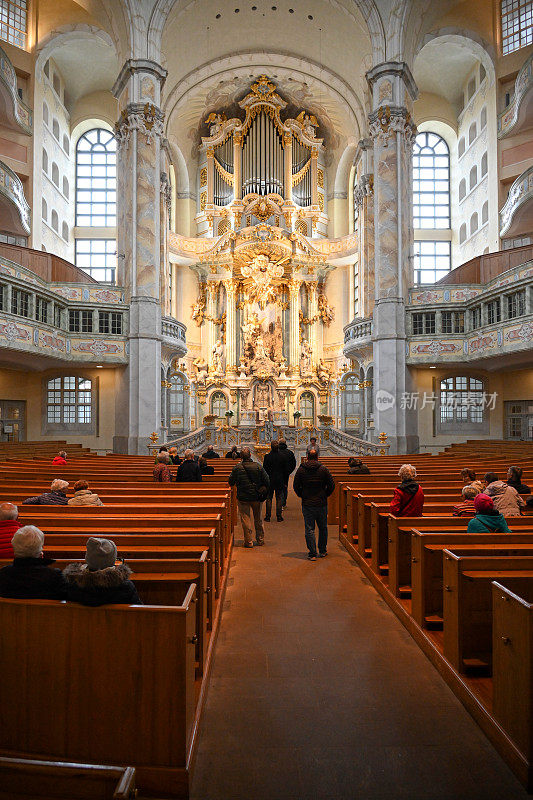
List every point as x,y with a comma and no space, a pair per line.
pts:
505,498
189,469
100,581
488,519
61,458
162,449
234,453
408,499
174,457
205,468
356,467
514,479
83,496
469,479
211,452
30,576
161,471
57,496
466,508
9,525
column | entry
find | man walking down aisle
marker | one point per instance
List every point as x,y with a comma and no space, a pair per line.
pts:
313,483
252,485
275,466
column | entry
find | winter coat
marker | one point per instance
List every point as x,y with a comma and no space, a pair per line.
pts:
84,497
464,509
518,486
211,454
162,473
275,466
47,499
290,459
248,477
32,579
408,500
362,470
313,483
506,499
100,587
175,460
59,460
490,522
313,447
207,470
189,471
7,528
234,454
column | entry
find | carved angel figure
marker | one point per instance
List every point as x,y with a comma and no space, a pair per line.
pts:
305,358
327,313
198,310
218,358
323,372
309,123
200,366
215,122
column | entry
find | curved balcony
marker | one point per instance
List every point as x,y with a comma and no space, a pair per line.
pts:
516,216
14,210
173,335
14,113
357,335
519,114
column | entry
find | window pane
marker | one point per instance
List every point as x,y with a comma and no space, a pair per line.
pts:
96,179
431,179
98,258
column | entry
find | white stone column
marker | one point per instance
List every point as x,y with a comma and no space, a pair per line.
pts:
237,166
287,142
393,132
294,329
231,332
138,132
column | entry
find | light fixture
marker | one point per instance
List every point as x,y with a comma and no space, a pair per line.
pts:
99,366
433,367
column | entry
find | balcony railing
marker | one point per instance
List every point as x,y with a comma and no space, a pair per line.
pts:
358,330
173,334
14,210
16,114
516,215
510,120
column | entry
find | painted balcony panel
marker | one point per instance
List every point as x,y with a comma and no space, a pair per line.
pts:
516,216
519,113
14,113
14,209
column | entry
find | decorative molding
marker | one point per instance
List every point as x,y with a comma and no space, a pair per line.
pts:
143,117
389,120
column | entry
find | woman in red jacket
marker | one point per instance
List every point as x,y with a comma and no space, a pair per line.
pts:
408,499
9,525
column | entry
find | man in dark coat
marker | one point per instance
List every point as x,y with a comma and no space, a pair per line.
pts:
314,483
189,469
252,483
233,453
30,576
275,466
57,496
290,466
100,581
211,452
356,467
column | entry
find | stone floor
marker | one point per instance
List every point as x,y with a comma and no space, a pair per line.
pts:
317,691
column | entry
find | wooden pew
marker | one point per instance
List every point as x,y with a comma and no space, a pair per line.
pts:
29,779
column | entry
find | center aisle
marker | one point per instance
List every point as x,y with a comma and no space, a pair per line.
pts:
317,691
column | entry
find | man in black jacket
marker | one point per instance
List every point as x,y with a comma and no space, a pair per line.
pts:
252,483
30,576
313,483
189,470
275,467
211,452
290,466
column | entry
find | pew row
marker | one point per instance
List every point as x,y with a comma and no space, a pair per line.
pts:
26,779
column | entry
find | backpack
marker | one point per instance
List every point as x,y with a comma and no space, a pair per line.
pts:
260,488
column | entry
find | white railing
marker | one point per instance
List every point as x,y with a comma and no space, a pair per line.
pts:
174,333
508,119
520,193
22,115
358,330
11,187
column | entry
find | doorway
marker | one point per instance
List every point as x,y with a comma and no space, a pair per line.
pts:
12,420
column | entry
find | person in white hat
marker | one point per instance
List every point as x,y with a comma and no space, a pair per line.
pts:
100,580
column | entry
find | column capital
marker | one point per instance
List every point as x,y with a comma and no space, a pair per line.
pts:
145,118
133,75
392,81
294,287
388,120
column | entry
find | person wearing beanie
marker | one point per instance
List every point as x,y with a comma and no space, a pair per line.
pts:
99,581
31,576
488,519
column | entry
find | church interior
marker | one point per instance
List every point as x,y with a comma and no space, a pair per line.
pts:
227,223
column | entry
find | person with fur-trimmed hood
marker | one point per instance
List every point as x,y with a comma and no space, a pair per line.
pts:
100,581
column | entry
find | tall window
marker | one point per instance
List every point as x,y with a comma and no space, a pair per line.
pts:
69,401
517,24
462,400
219,405
356,290
352,404
13,21
307,406
98,258
431,182
432,261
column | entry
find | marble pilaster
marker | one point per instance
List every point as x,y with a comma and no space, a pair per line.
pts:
231,332
294,330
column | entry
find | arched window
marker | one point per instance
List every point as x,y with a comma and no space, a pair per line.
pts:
66,144
65,187
96,179
483,118
473,223
64,231
176,400
352,404
55,174
461,146
45,161
44,212
485,212
55,220
462,189
517,25
431,182
472,133
462,233
219,405
473,177
69,401
46,115
461,401
55,129
484,162
307,406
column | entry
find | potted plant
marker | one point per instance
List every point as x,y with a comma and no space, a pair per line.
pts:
229,415
297,415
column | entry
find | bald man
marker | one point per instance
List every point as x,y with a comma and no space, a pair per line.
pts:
9,525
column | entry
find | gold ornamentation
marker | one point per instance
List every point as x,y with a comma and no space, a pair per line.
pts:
203,177
299,176
321,201
320,178
203,201
226,176
223,227
154,437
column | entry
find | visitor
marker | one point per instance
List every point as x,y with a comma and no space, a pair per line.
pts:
83,496
57,496
488,519
313,484
408,499
466,508
468,477
356,467
189,469
205,468
252,484
61,458
100,581
234,453
161,471
290,466
30,576
9,525
174,457
514,479
274,464
211,452
313,446
505,498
